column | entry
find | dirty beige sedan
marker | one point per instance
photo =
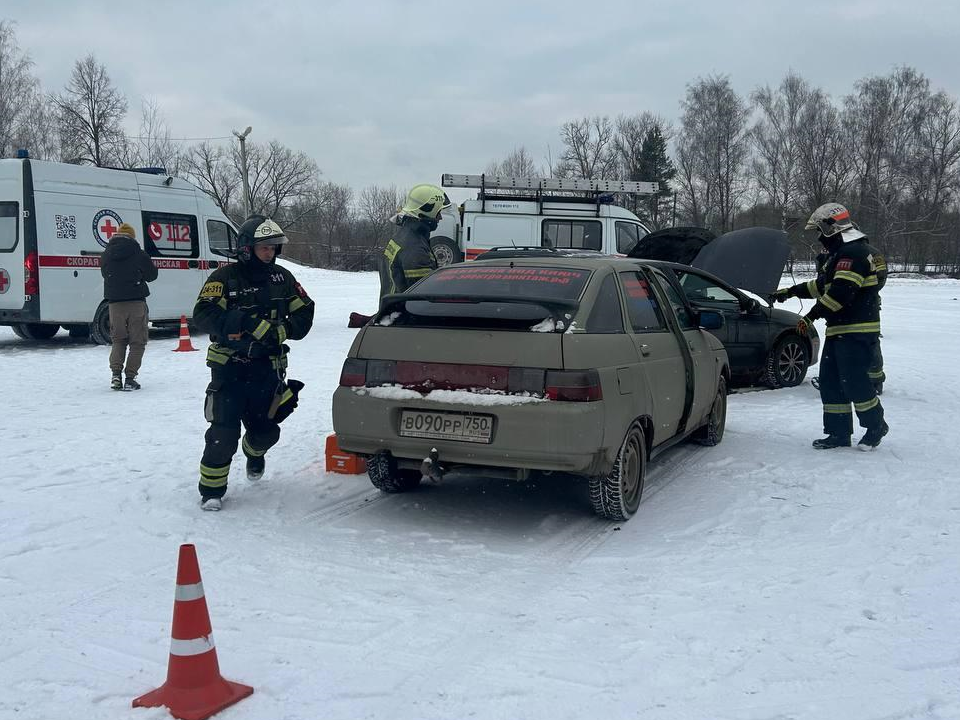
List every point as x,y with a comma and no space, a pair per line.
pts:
581,364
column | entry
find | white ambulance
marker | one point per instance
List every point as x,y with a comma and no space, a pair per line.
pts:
56,221
538,212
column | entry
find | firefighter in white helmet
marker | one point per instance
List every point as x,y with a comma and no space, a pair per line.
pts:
847,295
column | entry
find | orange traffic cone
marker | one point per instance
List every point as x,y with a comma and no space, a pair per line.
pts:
194,689
184,345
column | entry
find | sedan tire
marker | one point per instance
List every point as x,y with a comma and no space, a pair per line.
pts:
712,431
787,362
387,477
616,496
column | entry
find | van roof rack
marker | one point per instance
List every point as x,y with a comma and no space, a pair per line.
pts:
497,182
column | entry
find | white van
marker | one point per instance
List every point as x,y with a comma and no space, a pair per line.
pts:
55,222
538,212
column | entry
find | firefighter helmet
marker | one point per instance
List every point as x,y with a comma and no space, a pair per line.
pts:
830,218
258,230
425,202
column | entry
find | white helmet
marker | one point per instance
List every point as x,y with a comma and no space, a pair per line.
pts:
832,218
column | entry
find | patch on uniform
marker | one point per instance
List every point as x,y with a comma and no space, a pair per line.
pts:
845,264
212,290
300,291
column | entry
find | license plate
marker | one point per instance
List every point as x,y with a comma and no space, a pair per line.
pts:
446,426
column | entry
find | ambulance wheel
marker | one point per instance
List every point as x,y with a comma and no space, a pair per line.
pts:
100,327
35,331
446,252
78,331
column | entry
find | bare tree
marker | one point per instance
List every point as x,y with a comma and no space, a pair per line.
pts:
631,131
589,148
91,112
212,169
713,151
823,170
279,177
154,147
776,142
518,163
18,90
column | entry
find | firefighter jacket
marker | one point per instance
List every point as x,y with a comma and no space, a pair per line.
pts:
407,257
250,309
847,290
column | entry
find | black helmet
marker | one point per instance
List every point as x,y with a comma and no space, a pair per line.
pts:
258,230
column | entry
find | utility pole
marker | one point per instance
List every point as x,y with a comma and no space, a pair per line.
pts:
242,137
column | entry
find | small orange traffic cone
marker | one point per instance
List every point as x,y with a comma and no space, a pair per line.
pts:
184,345
194,689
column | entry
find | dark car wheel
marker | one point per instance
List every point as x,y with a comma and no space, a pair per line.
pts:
386,476
35,331
100,327
616,496
712,431
787,362
446,252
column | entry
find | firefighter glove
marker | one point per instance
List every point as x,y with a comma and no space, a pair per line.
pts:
803,326
781,295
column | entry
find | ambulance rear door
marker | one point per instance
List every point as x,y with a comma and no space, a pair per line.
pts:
12,243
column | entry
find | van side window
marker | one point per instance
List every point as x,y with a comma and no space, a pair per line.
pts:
9,226
221,236
628,236
642,306
579,234
606,316
170,235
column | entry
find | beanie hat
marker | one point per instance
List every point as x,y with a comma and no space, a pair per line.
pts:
127,229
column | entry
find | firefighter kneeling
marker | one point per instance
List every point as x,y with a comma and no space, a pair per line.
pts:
847,293
250,308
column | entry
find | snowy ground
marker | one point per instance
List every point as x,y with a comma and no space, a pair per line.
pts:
760,580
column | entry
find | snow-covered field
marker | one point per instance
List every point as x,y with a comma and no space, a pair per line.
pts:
761,579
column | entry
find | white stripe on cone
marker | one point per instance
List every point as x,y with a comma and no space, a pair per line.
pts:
189,592
189,648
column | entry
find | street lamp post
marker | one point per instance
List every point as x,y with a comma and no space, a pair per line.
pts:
242,137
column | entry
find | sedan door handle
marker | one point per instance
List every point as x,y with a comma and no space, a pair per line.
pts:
644,350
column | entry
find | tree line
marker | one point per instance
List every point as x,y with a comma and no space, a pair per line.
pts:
889,150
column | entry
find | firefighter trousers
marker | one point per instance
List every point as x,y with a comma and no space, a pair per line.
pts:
845,381
239,392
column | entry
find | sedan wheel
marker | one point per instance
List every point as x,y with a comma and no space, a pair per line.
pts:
616,496
787,363
386,476
712,432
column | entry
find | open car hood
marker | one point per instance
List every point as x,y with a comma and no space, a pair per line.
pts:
751,259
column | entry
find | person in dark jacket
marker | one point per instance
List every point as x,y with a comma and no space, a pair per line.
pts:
407,257
847,295
126,270
250,308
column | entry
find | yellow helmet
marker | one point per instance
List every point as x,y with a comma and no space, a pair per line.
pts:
425,202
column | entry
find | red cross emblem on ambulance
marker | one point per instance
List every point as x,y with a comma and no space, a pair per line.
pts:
105,224
4,281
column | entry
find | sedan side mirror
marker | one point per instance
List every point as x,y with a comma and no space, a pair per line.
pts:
750,305
710,320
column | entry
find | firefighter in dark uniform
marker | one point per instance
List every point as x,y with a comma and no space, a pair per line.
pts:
250,308
847,295
407,257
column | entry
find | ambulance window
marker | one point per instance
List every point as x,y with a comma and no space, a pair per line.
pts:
579,234
222,238
628,236
170,235
8,226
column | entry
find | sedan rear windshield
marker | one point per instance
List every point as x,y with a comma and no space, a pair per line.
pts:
506,282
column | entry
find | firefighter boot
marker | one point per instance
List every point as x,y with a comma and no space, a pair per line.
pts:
872,437
832,441
255,467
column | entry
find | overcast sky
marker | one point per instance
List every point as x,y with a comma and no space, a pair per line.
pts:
399,92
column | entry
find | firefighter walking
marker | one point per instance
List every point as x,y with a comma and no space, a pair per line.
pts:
847,295
250,308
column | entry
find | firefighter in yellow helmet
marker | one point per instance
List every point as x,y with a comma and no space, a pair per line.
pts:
407,257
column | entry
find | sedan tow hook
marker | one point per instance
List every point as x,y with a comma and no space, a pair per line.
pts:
431,467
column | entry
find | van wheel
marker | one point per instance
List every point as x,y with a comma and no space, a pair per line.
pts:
711,433
446,252
78,331
386,476
35,331
100,327
616,496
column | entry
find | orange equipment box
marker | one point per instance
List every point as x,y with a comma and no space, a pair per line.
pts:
339,461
